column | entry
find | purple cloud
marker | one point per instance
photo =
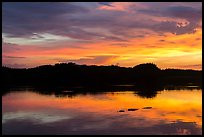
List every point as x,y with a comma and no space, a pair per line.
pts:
78,21
193,15
25,18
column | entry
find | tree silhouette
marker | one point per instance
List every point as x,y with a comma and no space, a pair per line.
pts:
71,74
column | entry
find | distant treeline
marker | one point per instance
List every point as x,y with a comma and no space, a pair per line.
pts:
71,74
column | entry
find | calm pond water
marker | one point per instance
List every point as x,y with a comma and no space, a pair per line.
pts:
169,112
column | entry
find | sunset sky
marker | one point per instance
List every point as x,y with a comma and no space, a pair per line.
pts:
168,34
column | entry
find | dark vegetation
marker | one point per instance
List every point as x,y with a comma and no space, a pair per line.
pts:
144,77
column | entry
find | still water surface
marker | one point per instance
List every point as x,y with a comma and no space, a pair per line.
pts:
169,112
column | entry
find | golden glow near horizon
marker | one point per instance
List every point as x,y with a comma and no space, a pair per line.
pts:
110,33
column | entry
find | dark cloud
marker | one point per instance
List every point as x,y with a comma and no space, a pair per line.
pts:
38,19
190,14
23,19
106,3
185,12
198,39
162,40
13,57
166,26
71,19
171,26
77,33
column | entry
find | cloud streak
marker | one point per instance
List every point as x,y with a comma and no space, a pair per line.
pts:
93,60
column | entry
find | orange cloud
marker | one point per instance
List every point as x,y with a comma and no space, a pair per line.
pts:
174,51
119,6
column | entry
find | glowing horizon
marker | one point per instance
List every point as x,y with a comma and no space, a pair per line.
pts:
102,33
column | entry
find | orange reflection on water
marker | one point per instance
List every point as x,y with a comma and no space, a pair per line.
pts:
168,106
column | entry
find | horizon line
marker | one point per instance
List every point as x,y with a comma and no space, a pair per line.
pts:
101,65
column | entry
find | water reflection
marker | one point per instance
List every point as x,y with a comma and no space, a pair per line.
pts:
73,111
149,91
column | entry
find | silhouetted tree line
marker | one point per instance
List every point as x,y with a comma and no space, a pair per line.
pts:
71,74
